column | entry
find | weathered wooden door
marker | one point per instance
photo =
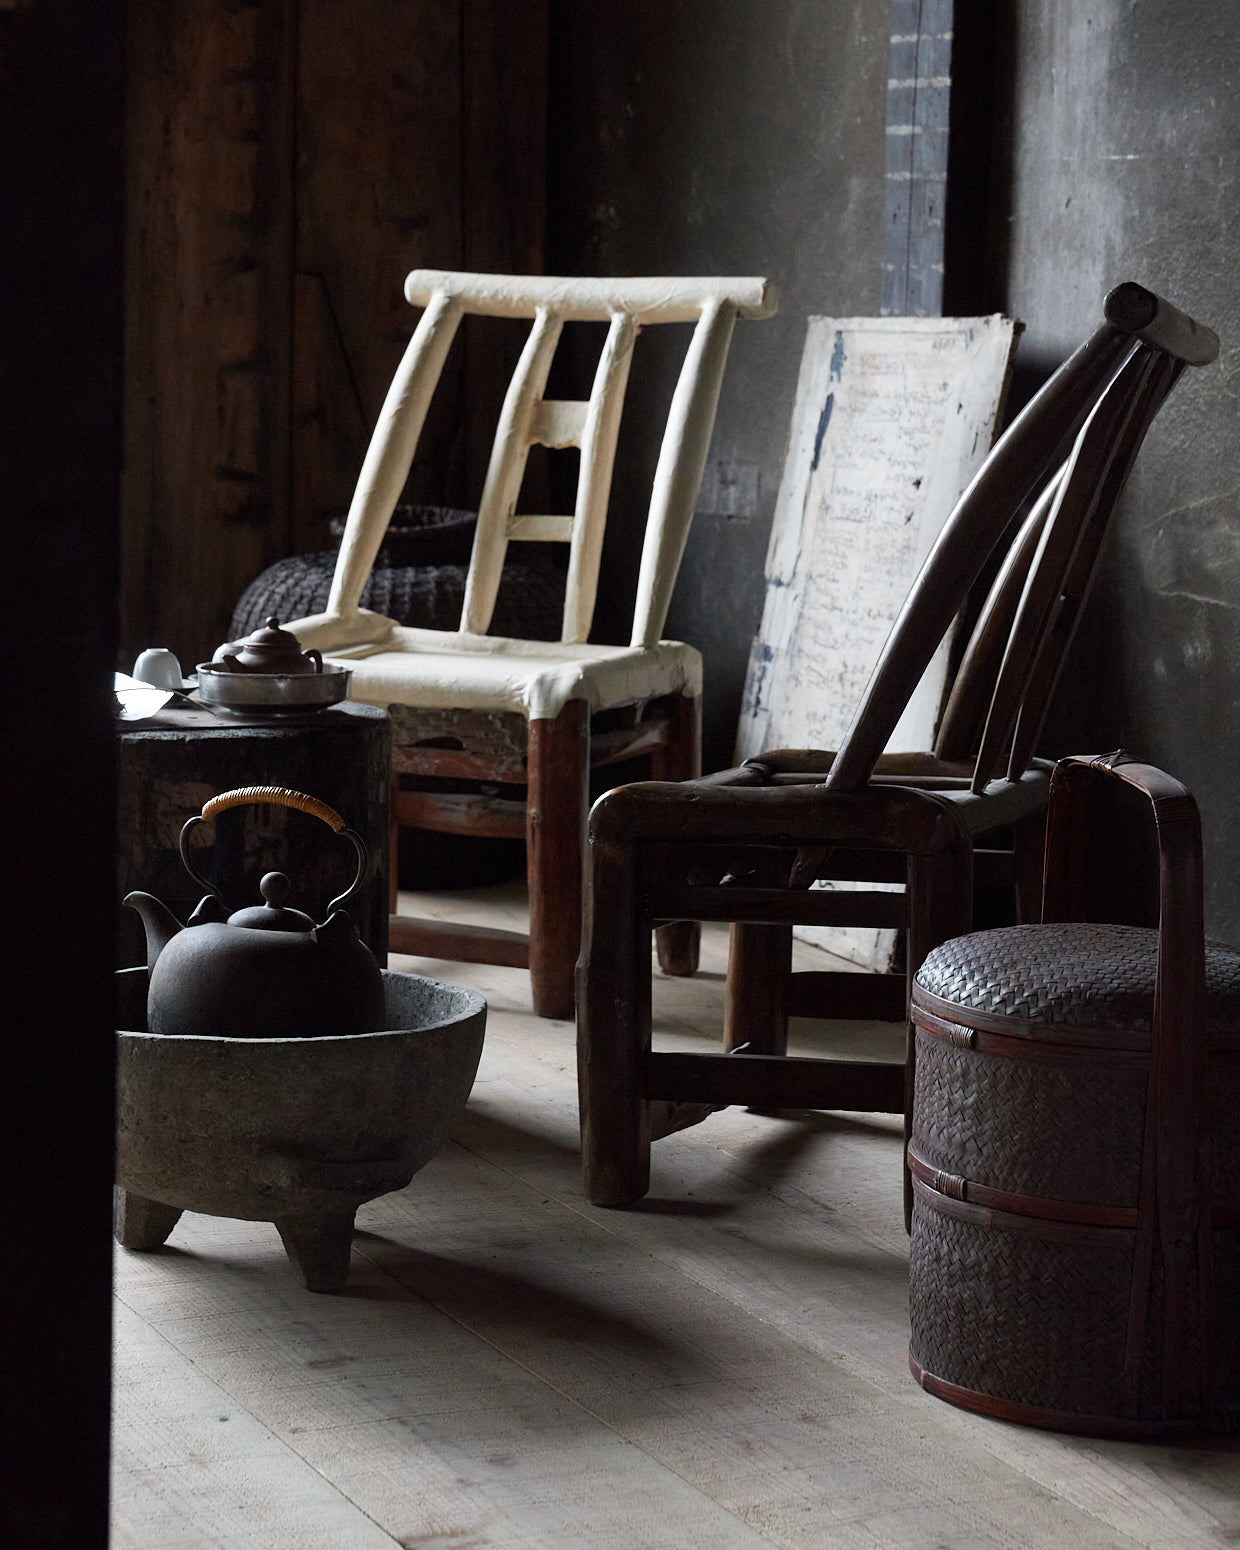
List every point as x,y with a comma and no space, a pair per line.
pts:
288,162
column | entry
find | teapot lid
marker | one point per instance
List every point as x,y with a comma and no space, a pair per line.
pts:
272,916
273,639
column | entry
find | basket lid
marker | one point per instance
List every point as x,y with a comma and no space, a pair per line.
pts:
1068,975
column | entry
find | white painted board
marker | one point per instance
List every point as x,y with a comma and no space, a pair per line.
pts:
892,418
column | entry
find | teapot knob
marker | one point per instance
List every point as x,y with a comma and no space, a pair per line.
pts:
274,887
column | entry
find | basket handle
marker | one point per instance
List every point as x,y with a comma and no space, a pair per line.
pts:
1174,1166
275,796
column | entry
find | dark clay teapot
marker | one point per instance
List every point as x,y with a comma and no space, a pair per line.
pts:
272,650
267,972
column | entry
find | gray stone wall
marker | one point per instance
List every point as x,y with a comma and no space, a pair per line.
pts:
718,137
731,136
1120,156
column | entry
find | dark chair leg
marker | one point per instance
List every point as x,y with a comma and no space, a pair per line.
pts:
759,963
318,1248
679,946
139,1223
559,765
679,943
613,1031
1029,858
940,907
393,847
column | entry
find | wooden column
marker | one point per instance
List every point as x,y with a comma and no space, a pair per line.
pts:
940,111
61,169
918,104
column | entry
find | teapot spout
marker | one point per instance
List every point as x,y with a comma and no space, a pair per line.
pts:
161,924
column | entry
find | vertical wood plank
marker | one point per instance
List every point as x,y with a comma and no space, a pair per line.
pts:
209,268
285,173
503,206
379,192
504,91
918,103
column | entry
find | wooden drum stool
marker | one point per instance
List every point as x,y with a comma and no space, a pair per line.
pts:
1075,1150
169,765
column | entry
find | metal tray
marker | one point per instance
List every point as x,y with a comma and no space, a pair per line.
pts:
272,694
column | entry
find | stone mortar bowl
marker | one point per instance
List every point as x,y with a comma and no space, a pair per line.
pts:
299,1132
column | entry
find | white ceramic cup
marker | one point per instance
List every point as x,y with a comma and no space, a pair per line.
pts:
157,665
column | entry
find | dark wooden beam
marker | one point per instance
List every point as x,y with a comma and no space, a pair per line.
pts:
915,168
940,138
61,114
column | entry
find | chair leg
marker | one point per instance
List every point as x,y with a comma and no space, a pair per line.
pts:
1029,857
393,847
679,943
940,907
613,1031
759,963
559,766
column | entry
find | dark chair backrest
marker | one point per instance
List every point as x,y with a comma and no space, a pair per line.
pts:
1099,406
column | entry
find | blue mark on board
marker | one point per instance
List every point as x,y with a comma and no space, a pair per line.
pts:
824,419
837,357
760,660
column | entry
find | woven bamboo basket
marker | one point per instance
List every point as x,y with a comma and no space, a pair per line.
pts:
1074,1146
1035,1296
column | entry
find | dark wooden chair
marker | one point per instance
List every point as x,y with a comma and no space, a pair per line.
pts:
744,846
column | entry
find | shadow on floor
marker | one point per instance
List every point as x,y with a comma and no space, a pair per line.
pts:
765,1166
492,1301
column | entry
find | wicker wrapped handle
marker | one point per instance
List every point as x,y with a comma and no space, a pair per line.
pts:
274,796
277,796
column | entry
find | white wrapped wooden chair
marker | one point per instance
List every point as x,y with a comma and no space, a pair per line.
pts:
551,692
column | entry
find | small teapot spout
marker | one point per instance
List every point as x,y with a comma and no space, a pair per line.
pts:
161,924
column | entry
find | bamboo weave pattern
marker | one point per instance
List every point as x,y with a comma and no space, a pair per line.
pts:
1077,975
1017,1125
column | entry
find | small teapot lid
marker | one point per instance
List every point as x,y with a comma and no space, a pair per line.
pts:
272,650
272,916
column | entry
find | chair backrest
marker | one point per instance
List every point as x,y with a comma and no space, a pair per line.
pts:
1099,405
527,418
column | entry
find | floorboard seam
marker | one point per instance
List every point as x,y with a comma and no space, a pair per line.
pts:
275,1436
567,1398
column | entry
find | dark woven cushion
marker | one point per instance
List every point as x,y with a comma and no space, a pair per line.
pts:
1076,975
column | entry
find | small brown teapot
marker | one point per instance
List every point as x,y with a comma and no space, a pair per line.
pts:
263,972
272,650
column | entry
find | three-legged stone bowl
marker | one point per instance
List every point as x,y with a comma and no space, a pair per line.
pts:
299,1132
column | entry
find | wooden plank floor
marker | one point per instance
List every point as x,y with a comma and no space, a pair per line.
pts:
510,1367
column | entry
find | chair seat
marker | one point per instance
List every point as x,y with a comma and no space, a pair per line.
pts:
454,670
1070,976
